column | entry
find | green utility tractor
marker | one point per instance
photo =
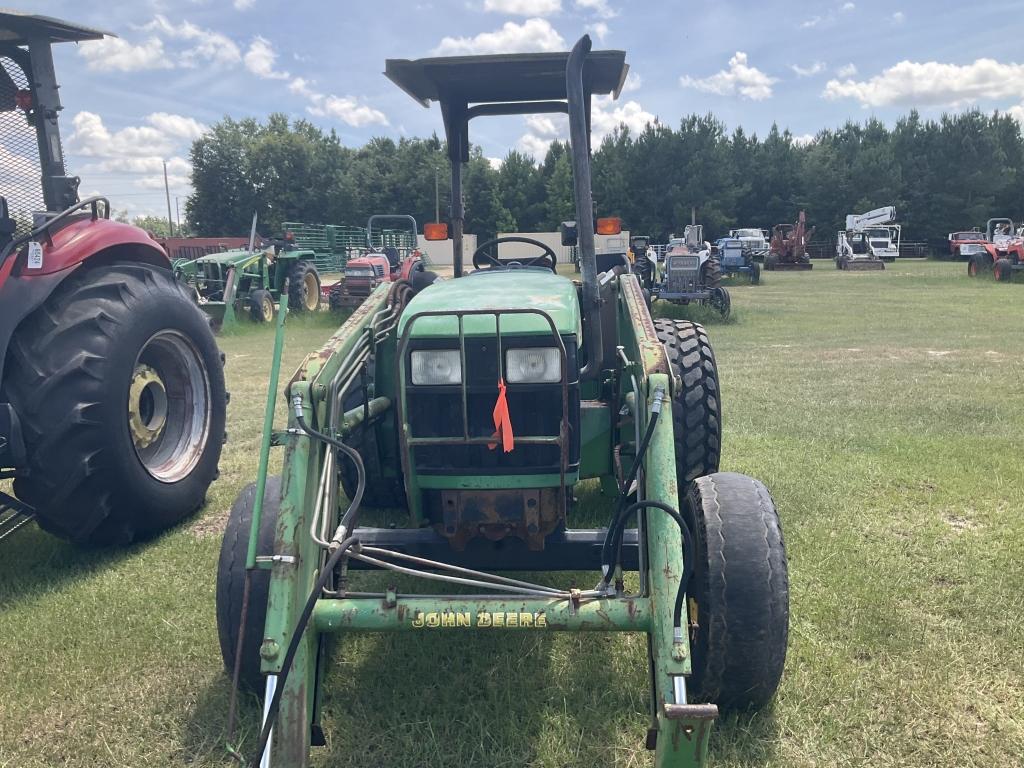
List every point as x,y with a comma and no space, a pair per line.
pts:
251,280
479,405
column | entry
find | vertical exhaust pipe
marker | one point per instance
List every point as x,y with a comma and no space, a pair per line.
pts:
579,141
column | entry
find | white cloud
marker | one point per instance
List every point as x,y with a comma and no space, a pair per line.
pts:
811,22
177,126
911,83
847,70
243,5
815,68
115,54
899,17
260,60
599,29
747,81
208,45
847,7
524,7
531,36
633,82
1018,113
347,109
803,139
606,116
495,162
598,7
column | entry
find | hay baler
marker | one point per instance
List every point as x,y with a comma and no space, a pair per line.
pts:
479,405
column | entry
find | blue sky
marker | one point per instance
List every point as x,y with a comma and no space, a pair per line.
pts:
177,67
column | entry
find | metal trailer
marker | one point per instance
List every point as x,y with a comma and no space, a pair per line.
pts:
477,404
112,400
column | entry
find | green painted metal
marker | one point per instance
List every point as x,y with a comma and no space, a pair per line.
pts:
331,245
265,438
595,438
533,288
442,612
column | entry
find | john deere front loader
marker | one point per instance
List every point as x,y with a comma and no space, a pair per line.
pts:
478,405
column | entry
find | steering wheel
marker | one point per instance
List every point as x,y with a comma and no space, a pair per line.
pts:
483,256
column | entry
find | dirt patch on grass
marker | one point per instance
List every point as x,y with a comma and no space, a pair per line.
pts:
211,524
960,523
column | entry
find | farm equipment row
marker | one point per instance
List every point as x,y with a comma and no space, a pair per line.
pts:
1001,252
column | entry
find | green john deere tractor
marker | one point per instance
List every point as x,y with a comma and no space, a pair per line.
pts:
479,404
252,280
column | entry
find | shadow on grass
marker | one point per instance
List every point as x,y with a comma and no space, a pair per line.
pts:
34,563
748,739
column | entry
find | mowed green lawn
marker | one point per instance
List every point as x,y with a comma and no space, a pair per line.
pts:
884,410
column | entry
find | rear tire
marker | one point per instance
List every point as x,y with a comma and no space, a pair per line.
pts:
119,385
381,492
711,273
741,590
231,583
770,261
303,287
755,273
1002,270
697,409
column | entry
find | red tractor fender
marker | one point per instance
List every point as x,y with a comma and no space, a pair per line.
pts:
408,265
81,241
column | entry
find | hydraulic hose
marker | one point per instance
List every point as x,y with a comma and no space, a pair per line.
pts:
610,543
293,646
689,550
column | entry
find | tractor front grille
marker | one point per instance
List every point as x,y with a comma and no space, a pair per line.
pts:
20,171
534,409
683,273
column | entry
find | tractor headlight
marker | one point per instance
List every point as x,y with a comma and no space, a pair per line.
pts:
533,365
436,366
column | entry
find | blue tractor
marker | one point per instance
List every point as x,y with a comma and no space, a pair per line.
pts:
736,260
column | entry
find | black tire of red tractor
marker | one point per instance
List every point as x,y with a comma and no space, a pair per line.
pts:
298,288
711,273
979,264
69,370
1002,270
231,582
740,587
755,273
380,492
697,409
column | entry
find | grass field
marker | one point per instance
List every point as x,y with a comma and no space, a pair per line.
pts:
884,410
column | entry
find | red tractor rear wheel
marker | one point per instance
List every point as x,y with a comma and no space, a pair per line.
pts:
119,386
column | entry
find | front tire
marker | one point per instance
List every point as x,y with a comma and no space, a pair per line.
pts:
120,389
979,264
1002,270
770,261
231,583
261,306
697,408
739,592
755,273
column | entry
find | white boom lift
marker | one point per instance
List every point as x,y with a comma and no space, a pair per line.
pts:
870,240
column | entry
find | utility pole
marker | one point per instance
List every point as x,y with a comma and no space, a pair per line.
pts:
177,214
437,198
693,214
167,191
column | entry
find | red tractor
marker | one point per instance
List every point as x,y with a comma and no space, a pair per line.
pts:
112,400
391,255
788,247
1001,252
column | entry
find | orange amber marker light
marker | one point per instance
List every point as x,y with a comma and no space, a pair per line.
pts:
609,226
435,231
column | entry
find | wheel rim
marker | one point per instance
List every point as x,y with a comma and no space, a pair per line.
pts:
169,406
267,305
312,291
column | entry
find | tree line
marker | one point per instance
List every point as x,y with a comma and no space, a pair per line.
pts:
942,175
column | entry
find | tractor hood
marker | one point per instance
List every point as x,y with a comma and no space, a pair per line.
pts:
497,289
230,258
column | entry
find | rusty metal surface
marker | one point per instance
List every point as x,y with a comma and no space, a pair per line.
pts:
651,350
529,514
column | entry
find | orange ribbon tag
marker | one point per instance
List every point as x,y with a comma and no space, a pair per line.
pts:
502,421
